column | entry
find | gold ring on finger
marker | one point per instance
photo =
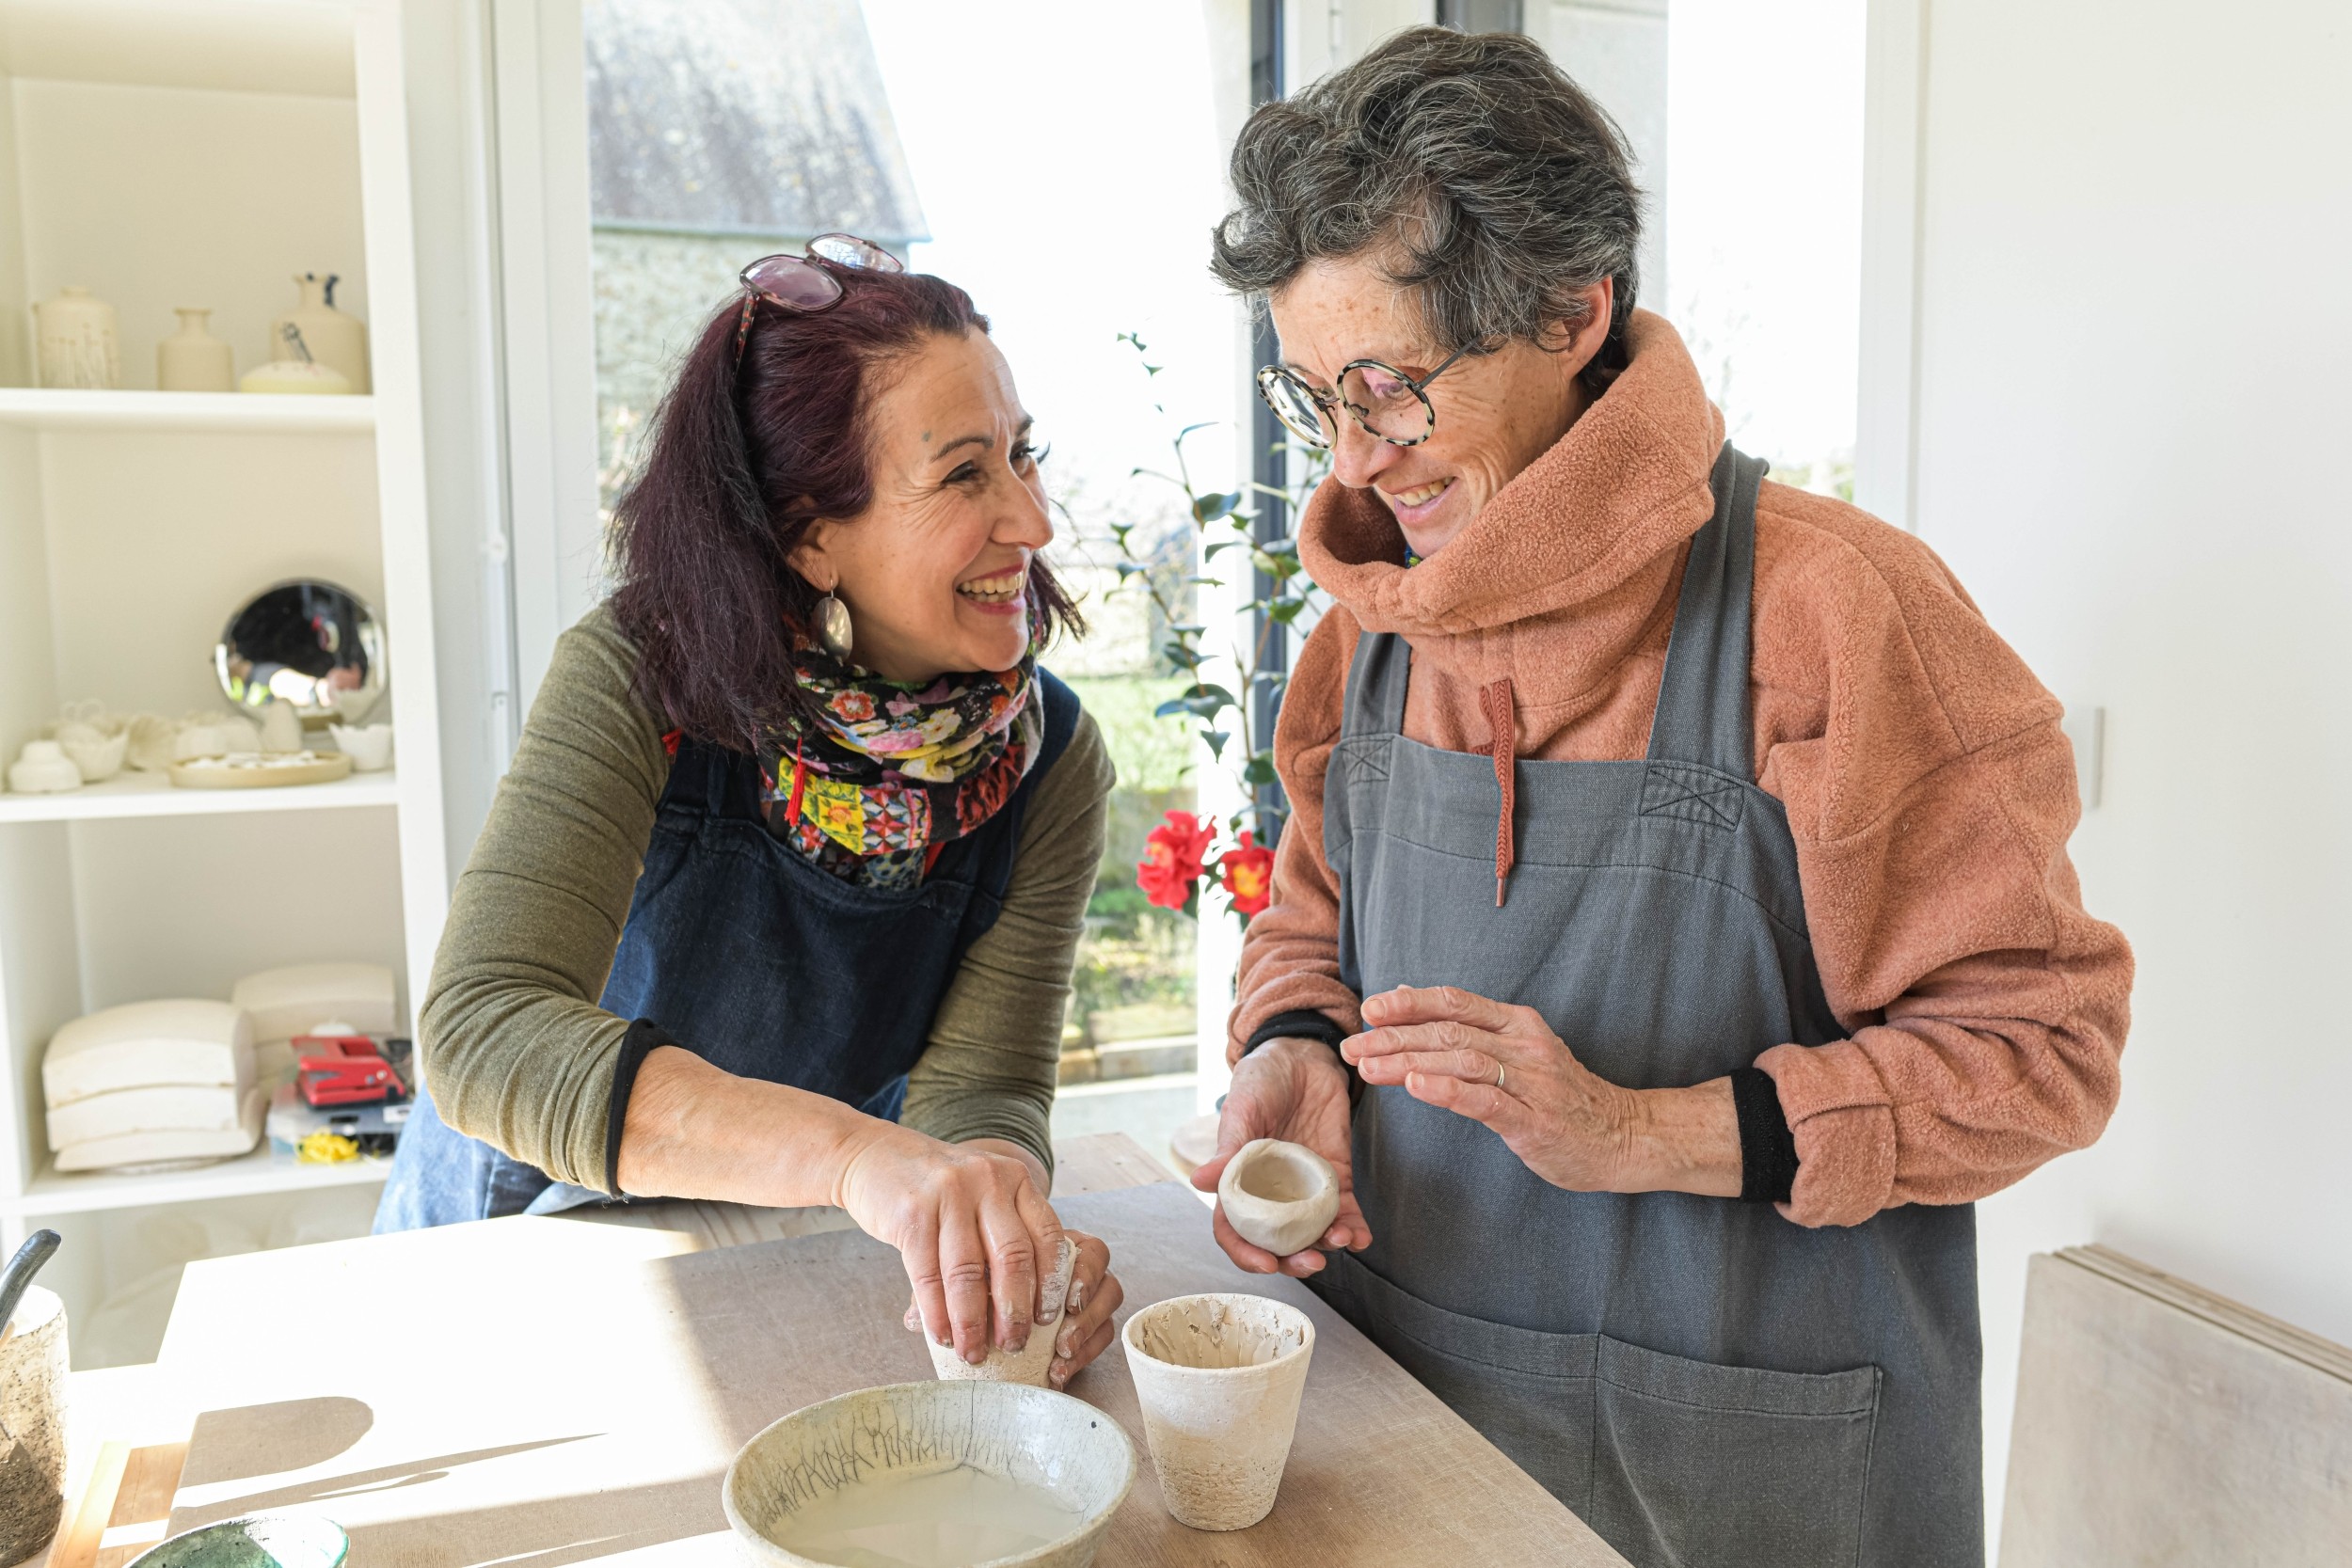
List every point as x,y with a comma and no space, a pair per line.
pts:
1497,1076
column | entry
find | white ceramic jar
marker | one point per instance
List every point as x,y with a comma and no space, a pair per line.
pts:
192,360
334,338
77,341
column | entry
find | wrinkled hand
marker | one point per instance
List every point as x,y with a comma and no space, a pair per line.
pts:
1085,1327
1295,1090
971,1227
1448,1047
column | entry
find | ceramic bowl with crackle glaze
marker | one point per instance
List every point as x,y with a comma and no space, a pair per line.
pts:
944,1474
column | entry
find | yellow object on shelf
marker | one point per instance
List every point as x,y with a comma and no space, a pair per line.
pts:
294,375
325,1149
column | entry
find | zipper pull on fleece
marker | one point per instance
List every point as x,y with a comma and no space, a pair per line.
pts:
1494,701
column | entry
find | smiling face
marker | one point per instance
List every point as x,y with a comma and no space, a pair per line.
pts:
935,571
1496,412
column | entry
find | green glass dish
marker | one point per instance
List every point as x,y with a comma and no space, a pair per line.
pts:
255,1541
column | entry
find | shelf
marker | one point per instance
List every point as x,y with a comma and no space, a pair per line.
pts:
130,794
51,408
264,1170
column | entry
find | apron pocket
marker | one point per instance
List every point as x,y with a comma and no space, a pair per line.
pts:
1698,1465
1527,1393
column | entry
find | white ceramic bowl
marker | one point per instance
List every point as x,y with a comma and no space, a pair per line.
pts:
369,746
1041,1441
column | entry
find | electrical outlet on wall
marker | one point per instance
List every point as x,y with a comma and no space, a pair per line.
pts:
2085,726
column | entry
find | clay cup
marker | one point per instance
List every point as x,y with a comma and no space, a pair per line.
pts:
1030,1363
1219,1379
1281,1197
32,1412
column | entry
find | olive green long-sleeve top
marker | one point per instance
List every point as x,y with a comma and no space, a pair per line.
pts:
516,1052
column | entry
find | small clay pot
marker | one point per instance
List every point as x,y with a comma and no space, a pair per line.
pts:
1032,1361
1281,1197
1218,1378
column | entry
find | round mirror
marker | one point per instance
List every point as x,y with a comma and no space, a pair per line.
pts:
313,645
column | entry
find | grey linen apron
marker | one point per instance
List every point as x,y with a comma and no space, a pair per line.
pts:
1705,1383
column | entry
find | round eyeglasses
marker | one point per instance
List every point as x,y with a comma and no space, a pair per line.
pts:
805,283
1386,402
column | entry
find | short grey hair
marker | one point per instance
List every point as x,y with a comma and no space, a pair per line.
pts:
1489,184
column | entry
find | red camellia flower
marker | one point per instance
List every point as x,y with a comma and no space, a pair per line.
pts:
1249,874
1172,864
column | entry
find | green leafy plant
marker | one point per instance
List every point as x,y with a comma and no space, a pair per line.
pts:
1279,592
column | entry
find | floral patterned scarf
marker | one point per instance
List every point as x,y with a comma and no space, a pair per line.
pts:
896,771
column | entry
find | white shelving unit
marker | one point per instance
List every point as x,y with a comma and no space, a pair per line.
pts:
129,794
200,152
41,408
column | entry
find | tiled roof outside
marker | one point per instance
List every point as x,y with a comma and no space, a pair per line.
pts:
743,116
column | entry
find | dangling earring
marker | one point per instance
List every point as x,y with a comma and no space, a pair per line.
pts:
833,625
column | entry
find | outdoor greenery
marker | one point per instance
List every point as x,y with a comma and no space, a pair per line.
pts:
1187,854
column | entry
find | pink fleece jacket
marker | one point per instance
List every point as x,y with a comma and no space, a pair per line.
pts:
1927,783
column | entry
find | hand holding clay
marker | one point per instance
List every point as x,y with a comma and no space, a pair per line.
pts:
1294,1090
971,1227
1087,1330
1029,1363
1279,1195
1503,1065
1086,1294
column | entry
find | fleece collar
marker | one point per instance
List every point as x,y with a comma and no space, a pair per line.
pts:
1572,533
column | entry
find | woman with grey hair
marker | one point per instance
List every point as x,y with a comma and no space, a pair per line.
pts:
1673,934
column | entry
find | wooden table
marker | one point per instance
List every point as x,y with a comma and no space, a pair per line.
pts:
541,1393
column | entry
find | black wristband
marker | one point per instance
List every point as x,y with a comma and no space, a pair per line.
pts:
1303,1023
1767,1150
641,1038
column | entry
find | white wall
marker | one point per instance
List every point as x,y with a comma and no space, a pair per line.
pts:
2134,400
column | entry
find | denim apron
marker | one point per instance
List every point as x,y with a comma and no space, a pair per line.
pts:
760,963
1705,1384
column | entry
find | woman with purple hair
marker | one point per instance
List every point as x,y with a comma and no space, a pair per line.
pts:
780,900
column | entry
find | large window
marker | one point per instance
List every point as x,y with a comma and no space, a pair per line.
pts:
1062,160
954,134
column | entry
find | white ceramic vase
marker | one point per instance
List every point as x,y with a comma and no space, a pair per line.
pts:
1219,1379
334,338
192,360
77,341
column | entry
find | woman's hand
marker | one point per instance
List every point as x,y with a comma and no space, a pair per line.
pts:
1502,1065
1295,1090
1085,1329
974,1231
